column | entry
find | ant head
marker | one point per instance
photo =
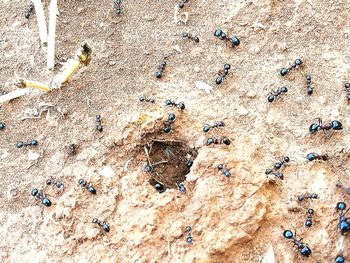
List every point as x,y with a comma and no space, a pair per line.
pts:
313,127
81,181
341,206
288,234
35,192
94,221
286,159
46,202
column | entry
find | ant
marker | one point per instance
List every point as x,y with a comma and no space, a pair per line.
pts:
189,36
309,88
308,222
277,166
219,140
40,197
222,74
188,230
335,125
30,11
189,163
170,103
218,33
274,94
347,88
181,187
21,144
171,119
160,67
341,186
297,63
143,98
85,185
2,126
182,3
216,124
103,224
159,187
303,248
98,123
344,225
307,196
315,156
57,183
224,171
117,7
275,173
339,259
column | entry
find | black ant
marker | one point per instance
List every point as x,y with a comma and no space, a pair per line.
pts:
315,156
159,187
117,7
103,224
344,225
216,124
2,126
275,173
182,3
160,67
347,88
218,33
308,222
57,183
181,187
170,120
339,259
143,98
303,248
307,196
222,74
85,185
218,140
309,88
190,36
341,186
98,123
297,63
189,163
170,103
40,197
30,11
224,171
188,230
277,166
274,94
21,144
335,125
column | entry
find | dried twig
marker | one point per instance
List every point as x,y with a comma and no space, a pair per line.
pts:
52,35
39,10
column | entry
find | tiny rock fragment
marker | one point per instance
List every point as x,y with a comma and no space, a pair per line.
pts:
107,171
203,86
32,156
251,94
242,110
269,257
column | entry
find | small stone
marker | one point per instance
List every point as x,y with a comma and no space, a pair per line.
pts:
251,94
203,86
196,69
107,171
112,63
242,111
32,156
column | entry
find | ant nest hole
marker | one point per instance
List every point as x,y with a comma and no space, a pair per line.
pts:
168,162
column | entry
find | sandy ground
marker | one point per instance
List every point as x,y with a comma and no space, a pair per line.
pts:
127,50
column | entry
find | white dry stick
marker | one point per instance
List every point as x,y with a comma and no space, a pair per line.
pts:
15,94
52,34
39,10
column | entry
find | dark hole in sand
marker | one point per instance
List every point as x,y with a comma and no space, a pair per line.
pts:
170,162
